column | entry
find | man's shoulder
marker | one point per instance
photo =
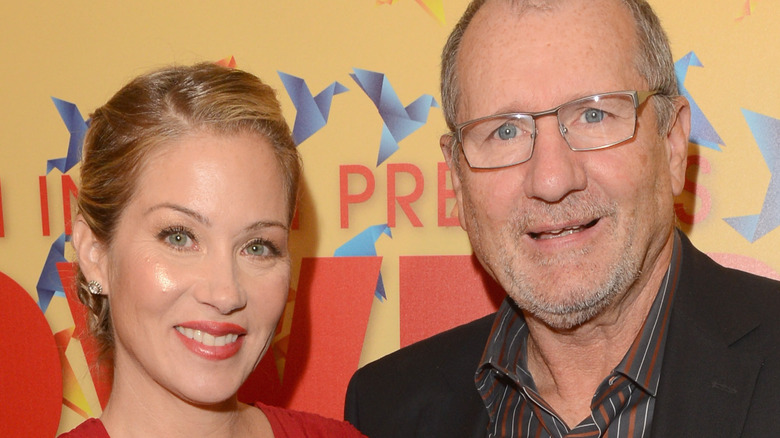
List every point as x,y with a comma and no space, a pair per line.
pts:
461,344
724,305
424,389
726,288
721,364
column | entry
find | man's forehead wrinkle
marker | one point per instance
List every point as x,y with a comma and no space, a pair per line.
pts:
489,32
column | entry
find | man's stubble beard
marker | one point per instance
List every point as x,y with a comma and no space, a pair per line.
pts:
510,266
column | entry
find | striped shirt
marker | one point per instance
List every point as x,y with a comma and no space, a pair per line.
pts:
622,406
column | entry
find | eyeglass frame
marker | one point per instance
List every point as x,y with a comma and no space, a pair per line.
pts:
638,97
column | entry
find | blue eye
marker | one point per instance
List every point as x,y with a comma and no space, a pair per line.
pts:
593,115
507,131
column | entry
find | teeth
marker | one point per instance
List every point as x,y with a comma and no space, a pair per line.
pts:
563,231
557,233
206,338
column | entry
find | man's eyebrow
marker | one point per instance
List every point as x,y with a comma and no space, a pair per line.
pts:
181,209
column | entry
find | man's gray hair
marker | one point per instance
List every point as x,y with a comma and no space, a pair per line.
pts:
653,61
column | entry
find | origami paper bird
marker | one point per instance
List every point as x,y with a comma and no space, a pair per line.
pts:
434,8
229,62
766,131
702,132
312,112
364,244
77,127
399,122
49,283
747,9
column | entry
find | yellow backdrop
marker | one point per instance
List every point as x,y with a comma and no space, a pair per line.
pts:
82,52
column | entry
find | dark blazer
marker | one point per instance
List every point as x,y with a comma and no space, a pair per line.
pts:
720,375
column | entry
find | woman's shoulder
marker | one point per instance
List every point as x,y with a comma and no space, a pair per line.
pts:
287,423
92,428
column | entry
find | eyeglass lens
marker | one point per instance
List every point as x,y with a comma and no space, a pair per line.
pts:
589,123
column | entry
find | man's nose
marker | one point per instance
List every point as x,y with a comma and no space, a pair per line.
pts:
554,170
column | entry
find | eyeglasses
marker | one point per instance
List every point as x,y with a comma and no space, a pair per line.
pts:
589,123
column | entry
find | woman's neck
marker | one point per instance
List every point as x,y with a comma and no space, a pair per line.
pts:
146,409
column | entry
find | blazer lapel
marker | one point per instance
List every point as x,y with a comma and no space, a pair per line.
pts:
705,388
710,365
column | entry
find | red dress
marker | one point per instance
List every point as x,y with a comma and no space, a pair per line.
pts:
92,428
285,423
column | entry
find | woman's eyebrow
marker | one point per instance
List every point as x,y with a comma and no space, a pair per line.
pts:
266,224
180,208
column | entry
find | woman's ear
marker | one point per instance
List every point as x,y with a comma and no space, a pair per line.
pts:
91,254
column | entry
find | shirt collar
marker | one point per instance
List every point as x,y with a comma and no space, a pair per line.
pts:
505,352
642,362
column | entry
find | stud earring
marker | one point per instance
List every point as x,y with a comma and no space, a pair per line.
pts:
95,288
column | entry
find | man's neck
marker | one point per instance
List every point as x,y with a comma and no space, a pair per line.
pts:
569,365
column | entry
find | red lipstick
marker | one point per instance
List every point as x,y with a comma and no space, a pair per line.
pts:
211,339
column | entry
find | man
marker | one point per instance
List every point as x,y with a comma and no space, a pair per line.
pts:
614,324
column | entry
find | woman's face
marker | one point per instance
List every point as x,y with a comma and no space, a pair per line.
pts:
198,269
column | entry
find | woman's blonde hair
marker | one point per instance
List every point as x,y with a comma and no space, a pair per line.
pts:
152,110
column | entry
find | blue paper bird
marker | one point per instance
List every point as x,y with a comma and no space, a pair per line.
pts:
312,112
399,121
702,132
766,131
77,127
49,283
364,244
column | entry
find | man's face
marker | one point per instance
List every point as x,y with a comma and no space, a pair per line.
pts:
566,233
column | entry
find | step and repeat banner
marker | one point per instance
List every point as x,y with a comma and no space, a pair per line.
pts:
379,260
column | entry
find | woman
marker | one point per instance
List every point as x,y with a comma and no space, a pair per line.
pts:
189,182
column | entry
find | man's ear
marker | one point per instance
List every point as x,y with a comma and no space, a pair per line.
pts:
91,254
446,142
677,142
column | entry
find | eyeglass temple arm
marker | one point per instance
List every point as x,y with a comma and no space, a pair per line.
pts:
641,96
